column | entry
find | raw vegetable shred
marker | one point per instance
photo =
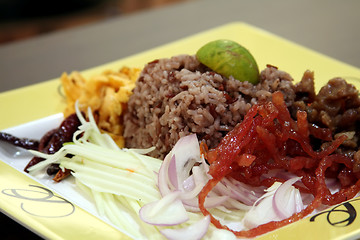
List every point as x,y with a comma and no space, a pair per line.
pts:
217,193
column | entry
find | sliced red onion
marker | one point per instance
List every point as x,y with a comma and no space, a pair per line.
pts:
227,188
190,199
204,165
235,204
210,202
167,211
262,211
172,172
299,205
163,182
200,175
257,191
187,153
279,202
189,183
174,175
193,232
194,184
286,201
191,194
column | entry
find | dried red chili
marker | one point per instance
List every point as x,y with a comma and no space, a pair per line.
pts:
52,141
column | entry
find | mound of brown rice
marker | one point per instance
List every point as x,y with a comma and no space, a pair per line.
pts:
178,96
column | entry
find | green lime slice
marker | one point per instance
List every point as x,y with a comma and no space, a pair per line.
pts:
229,58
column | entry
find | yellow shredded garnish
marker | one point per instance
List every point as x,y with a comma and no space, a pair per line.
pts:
106,94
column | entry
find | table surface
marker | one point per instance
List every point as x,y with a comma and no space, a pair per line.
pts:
327,26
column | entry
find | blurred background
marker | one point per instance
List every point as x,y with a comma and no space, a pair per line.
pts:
22,19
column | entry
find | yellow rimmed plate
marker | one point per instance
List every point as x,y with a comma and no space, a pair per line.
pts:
42,207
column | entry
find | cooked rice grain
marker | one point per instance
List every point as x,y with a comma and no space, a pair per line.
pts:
178,96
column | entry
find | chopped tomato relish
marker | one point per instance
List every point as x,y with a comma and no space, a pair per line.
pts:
268,139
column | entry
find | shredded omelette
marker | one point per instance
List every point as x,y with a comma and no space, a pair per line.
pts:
106,94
